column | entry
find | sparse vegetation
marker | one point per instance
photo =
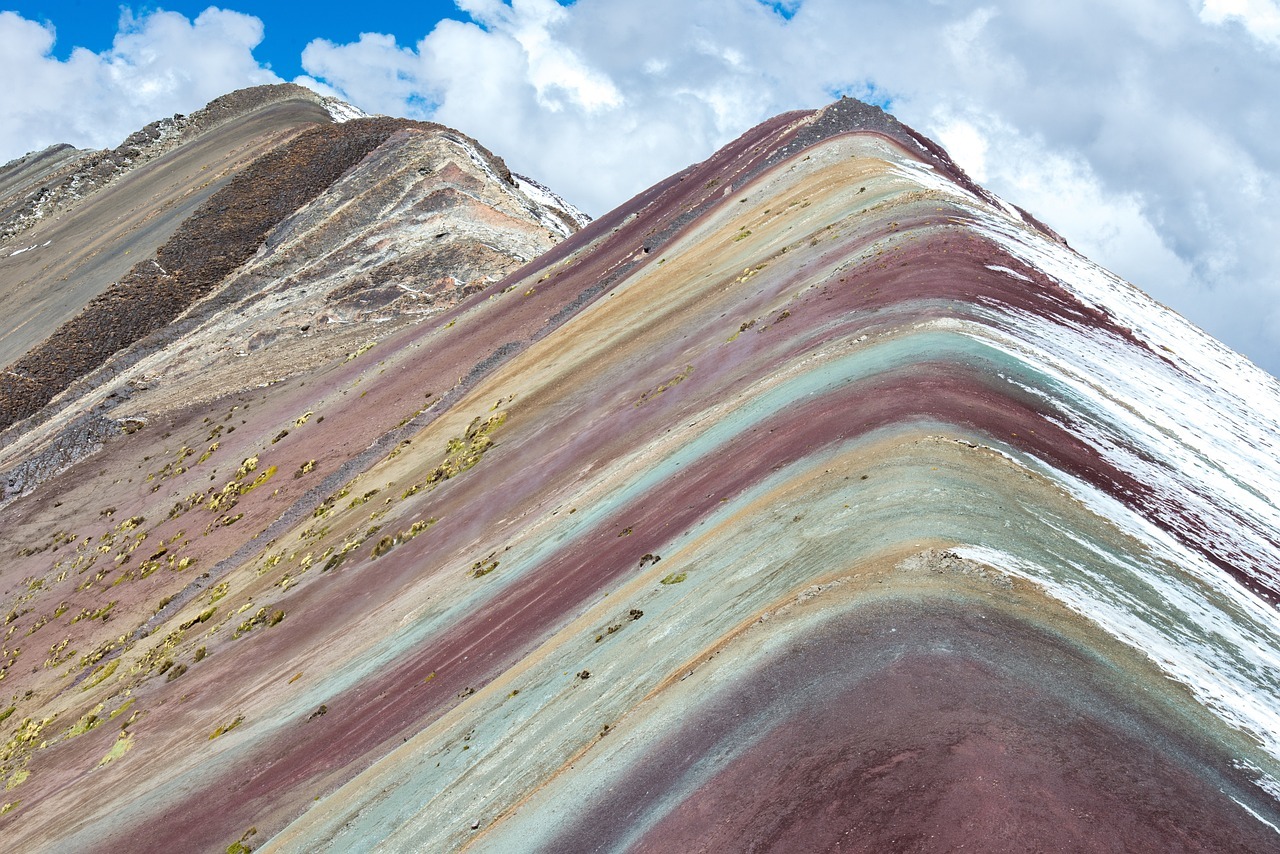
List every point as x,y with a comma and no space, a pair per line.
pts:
124,741
482,568
226,728
361,350
632,615
462,452
659,389
241,846
263,617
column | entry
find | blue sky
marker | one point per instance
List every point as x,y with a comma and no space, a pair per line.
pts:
1144,131
288,26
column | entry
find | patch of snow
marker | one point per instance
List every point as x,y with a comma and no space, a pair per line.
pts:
1194,422
1264,781
1009,209
340,111
1227,659
1255,815
1007,272
544,196
535,197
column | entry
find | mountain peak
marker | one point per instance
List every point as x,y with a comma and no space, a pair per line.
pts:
813,495
281,180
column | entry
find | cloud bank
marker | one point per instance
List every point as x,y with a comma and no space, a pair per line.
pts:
1144,131
158,65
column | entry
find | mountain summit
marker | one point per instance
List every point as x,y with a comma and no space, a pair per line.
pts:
813,499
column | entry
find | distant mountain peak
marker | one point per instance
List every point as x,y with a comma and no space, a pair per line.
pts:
278,169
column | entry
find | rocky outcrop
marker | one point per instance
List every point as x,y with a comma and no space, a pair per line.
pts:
221,235
333,248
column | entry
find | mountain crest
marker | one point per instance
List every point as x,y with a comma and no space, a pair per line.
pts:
813,498
336,242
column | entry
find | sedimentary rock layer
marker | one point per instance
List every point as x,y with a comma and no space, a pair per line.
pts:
813,499
329,237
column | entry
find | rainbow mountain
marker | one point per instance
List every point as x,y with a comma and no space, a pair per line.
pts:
814,499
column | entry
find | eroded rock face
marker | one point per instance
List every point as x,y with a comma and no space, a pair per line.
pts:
332,248
815,499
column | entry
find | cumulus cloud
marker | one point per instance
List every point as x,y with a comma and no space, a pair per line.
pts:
159,64
1142,130
1260,17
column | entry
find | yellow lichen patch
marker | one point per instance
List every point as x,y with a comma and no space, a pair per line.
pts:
248,465
24,738
675,380
462,452
361,350
261,618
259,480
241,847
227,498
102,674
227,727
120,748
87,721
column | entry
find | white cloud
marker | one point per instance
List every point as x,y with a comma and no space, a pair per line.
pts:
1260,17
581,97
159,64
555,70
1064,190
1143,130
390,80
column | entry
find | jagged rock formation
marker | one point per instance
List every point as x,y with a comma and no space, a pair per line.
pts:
814,498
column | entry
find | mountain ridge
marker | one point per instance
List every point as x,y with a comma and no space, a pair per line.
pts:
149,297
812,491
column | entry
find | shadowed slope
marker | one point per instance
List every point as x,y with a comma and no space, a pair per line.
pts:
915,723
812,498
218,237
69,235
